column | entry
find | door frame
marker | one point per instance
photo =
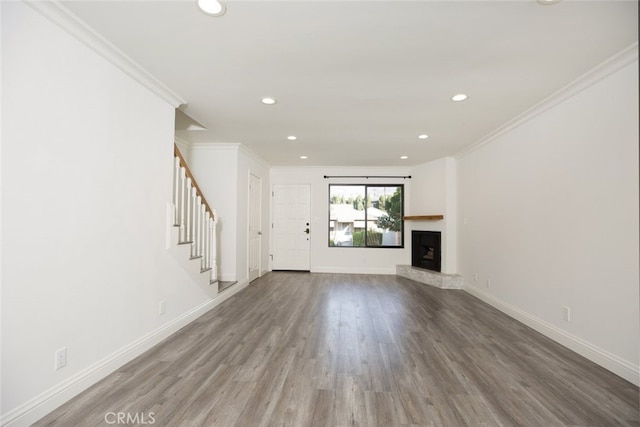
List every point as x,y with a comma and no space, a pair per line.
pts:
251,209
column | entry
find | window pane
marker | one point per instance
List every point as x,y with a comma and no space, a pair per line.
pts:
384,217
346,215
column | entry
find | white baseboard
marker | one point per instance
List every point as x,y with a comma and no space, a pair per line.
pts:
611,362
36,408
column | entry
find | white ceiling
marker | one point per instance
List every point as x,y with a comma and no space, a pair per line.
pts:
358,81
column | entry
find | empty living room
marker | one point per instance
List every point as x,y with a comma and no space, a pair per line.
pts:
320,213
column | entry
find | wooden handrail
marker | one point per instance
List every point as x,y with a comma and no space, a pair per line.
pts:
183,163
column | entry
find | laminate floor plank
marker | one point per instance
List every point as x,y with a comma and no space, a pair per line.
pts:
306,349
350,404
268,391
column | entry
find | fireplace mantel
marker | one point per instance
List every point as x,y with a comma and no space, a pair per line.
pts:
424,218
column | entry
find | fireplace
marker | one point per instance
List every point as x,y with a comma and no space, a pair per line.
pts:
425,249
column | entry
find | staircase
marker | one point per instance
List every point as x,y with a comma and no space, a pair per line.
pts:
194,219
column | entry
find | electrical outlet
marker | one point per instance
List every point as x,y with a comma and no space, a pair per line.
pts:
488,283
566,313
162,307
60,358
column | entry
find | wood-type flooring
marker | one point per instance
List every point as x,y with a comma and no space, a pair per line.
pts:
307,349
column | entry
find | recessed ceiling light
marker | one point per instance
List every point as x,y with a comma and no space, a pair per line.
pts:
212,7
404,157
268,101
423,136
292,137
304,157
459,97
548,2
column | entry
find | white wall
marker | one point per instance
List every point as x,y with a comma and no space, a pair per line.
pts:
215,167
434,193
86,177
551,212
185,149
222,171
340,259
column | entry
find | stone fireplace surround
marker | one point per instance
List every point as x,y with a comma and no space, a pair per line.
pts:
428,277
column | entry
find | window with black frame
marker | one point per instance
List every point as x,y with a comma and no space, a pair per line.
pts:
363,215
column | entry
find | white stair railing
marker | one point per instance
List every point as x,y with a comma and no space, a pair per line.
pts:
195,219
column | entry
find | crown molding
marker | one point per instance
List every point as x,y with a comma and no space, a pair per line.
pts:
254,156
220,146
345,170
65,19
586,80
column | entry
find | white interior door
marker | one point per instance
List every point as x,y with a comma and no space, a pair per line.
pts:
291,227
255,220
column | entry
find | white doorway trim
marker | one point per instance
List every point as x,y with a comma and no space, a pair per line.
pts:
254,246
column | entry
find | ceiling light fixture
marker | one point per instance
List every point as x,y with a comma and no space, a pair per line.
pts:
404,157
423,136
268,101
292,137
459,97
211,7
304,157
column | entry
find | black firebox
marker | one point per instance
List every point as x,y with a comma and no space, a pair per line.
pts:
425,249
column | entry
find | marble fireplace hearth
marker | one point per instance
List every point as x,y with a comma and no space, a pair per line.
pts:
431,278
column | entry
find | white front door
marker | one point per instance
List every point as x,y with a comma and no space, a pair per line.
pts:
291,227
255,232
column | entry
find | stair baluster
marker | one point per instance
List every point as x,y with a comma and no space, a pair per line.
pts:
195,218
183,201
213,262
201,211
192,218
188,219
206,243
176,191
